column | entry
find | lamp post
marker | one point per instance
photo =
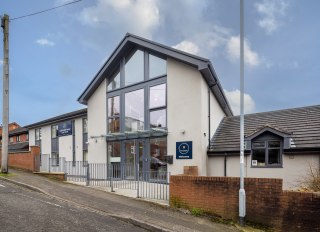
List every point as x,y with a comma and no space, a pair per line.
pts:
242,193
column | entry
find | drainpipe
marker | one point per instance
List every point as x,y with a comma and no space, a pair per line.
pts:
225,164
209,133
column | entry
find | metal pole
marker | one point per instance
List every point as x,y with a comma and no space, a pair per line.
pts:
5,106
242,193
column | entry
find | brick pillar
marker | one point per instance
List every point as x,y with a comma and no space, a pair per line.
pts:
35,153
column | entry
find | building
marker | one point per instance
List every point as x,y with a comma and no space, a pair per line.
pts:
161,109
279,144
18,138
148,101
61,136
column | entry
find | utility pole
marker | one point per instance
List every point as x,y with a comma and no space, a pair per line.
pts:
5,106
242,193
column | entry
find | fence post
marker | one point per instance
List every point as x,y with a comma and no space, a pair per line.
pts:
49,163
111,184
88,175
138,181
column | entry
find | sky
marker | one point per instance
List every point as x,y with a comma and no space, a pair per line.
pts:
54,55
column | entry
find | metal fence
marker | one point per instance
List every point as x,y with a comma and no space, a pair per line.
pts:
146,184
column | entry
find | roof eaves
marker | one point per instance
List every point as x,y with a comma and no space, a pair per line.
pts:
59,118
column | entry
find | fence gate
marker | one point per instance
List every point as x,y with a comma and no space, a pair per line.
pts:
44,163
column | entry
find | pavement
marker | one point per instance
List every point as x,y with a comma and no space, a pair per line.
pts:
147,215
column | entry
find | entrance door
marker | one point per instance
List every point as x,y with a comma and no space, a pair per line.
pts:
134,153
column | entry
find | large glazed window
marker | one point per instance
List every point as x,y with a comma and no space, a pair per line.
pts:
158,153
157,106
134,110
157,66
157,96
114,149
158,118
114,114
114,82
134,68
38,134
54,131
266,153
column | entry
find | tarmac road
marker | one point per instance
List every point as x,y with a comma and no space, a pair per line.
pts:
147,215
25,210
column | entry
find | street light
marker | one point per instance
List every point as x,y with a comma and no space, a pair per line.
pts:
242,193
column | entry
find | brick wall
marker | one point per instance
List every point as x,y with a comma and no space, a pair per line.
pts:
266,202
29,160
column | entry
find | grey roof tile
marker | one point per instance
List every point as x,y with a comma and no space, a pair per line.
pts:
302,123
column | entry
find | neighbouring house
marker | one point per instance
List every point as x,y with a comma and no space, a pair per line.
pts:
18,138
278,144
61,136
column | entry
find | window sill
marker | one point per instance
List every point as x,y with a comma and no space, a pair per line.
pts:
278,166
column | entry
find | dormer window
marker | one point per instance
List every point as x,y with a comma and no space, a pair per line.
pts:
266,153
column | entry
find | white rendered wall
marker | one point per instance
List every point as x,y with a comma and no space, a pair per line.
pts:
97,125
65,147
46,140
78,138
32,137
294,169
188,111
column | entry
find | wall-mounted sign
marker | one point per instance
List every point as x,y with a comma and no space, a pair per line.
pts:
184,150
65,128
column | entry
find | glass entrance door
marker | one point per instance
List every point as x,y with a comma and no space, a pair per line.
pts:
134,153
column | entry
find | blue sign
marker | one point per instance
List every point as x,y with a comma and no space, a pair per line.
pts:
65,128
184,150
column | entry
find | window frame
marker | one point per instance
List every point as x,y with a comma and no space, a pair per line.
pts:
266,152
145,84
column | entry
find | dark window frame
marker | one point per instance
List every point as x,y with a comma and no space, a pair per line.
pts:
145,84
266,152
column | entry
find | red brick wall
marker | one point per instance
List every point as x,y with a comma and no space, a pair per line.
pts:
29,160
266,202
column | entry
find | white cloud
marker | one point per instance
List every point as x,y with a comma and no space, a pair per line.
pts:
45,42
1,62
233,50
136,16
234,101
187,46
271,11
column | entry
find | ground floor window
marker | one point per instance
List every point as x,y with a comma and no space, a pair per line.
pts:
55,159
85,156
158,154
266,153
148,154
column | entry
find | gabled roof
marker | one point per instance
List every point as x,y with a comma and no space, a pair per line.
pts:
301,124
59,118
18,131
22,146
131,41
269,128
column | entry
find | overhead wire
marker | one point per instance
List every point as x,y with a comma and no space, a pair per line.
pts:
43,11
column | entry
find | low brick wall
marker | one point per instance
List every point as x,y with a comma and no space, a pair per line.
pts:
60,176
27,160
266,202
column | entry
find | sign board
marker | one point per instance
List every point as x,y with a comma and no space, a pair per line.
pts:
184,150
65,128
